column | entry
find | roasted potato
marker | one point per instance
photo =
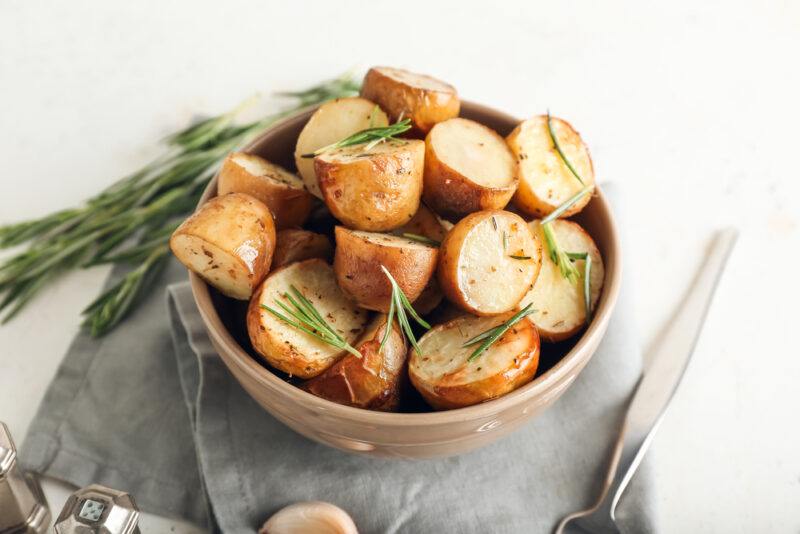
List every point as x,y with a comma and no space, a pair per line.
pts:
375,190
488,261
545,181
403,94
372,381
280,190
468,168
358,259
287,348
445,377
425,223
298,245
559,303
229,242
333,122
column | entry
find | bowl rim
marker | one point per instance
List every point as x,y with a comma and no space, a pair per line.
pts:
560,371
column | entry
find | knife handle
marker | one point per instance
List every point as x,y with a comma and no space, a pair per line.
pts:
668,362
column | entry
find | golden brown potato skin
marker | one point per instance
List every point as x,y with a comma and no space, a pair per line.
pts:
290,205
376,193
357,264
425,107
451,392
453,195
372,381
294,245
240,230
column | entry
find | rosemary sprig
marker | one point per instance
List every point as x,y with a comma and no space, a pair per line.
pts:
556,213
561,152
558,256
371,136
422,239
306,318
400,306
129,222
493,334
587,280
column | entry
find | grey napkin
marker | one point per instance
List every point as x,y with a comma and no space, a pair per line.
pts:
151,409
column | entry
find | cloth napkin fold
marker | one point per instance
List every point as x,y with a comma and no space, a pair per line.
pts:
151,409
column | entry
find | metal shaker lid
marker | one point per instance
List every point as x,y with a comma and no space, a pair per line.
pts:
8,453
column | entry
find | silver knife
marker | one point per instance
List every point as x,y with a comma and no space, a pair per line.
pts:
667,365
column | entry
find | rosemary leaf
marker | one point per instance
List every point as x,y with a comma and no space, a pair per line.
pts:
371,136
401,306
556,213
422,239
557,255
587,280
519,257
561,152
493,334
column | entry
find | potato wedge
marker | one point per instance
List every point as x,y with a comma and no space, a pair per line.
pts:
421,98
333,122
545,181
372,381
446,379
358,259
229,242
298,245
280,190
561,312
468,168
284,346
375,190
488,261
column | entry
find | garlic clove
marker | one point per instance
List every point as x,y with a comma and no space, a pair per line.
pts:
313,517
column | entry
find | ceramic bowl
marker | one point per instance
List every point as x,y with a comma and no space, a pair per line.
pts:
407,435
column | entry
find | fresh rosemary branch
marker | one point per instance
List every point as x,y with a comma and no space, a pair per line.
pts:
556,213
558,256
307,319
587,280
493,334
130,221
422,239
371,136
561,152
400,305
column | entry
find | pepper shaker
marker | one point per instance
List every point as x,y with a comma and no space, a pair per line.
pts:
97,509
23,508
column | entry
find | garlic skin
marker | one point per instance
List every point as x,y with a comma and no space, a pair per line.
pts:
313,517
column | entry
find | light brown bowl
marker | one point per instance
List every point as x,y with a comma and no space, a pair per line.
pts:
407,435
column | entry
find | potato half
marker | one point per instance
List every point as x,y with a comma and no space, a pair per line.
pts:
421,98
372,381
284,346
488,261
375,190
280,190
559,303
545,181
298,245
229,242
445,377
358,259
468,168
333,122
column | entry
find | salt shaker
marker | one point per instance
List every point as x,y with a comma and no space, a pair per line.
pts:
97,509
23,508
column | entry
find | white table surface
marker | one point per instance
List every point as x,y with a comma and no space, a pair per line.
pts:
692,108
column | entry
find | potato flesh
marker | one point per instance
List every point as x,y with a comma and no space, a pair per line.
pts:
219,268
420,81
331,123
545,182
486,270
474,151
389,240
257,166
444,355
315,280
559,303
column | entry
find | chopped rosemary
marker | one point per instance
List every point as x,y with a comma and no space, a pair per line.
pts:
587,280
307,319
519,257
556,213
494,223
422,239
493,334
557,255
561,152
399,306
372,136
505,241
